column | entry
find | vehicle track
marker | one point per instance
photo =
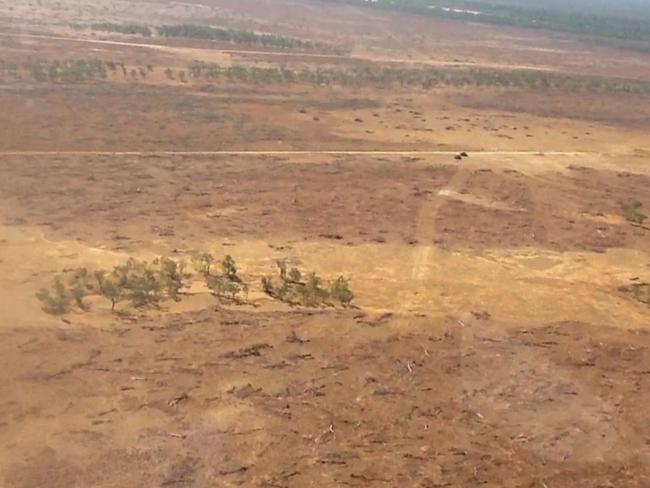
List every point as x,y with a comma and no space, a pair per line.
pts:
289,153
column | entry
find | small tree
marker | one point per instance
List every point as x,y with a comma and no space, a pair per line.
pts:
310,291
171,276
78,292
340,291
312,294
295,275
230,268
282,268
109,288
140,282
80,285
55,301
202,262
223,287
632,212
267,285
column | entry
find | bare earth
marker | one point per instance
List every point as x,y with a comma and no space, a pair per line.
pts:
490,342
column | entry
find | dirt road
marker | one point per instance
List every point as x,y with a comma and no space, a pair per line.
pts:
252,52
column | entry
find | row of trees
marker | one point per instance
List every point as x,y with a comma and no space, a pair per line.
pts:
293,287
139,282
67,71
238,36
72,70
386,77
76,71
144,283
205,32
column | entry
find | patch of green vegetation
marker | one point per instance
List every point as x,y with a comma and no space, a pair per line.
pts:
632,213
55,300
140,282
228,284
311,291
63,294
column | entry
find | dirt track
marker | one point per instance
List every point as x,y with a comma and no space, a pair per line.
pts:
287,153
200,53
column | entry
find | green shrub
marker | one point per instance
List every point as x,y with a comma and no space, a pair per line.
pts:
340,291
223,287
202,262
55,300
631,212
110,288
228,284
312,294
80,283
141,282
230,268
170,274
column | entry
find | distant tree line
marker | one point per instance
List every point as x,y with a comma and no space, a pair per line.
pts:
194,31
386,77
205,32
80,70
70,70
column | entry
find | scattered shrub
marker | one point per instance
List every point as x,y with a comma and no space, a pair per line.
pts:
631,211
170,274
340,291
230,268
226,285
223,287
109,288
55,300
62,294
141,282
202,262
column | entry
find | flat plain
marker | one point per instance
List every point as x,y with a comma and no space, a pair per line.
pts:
499,335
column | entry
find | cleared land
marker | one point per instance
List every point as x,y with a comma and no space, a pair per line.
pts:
499,335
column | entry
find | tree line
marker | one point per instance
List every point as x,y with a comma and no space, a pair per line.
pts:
209,33
141,283
80,70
